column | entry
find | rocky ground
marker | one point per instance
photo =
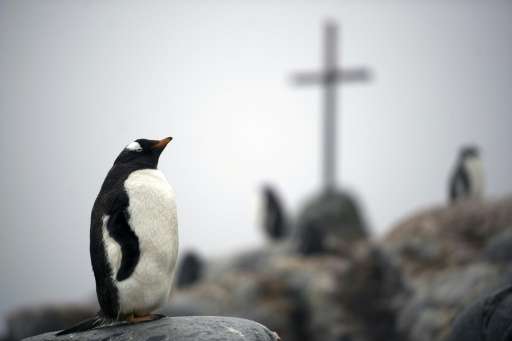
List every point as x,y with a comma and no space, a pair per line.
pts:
408,286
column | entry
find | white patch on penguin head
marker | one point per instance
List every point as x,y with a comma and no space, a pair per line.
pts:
134,146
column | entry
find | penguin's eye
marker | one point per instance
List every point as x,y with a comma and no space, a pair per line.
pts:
134,147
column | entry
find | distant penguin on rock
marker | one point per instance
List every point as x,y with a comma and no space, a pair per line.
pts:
133,238
467,180
270,214
190,270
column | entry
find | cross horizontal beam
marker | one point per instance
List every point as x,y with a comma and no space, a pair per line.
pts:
331,77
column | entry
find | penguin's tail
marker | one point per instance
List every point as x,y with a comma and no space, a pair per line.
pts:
94,322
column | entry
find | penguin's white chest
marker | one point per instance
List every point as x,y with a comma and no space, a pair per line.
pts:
475,171
152,216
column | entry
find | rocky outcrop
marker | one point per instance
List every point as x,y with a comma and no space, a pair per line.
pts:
433,304
450,258
408,286
451,236
304,298
175,329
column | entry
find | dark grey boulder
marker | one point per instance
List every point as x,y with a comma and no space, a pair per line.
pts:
329,222
489,319
192,328
499,248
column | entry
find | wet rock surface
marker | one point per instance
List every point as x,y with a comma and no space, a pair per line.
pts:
175,329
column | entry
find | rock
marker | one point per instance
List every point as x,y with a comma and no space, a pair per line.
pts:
245,295
450,257
191,328
321,297
250,261
489,319
499,248
329,222
40,319
451,236
430,310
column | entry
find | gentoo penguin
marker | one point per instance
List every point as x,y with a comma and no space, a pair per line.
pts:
467,180
133,237
270,214
190,270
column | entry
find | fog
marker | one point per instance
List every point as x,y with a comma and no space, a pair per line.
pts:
81,79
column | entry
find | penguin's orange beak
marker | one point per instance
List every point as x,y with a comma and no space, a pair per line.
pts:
160,145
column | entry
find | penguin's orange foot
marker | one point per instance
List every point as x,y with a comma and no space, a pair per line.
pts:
136,319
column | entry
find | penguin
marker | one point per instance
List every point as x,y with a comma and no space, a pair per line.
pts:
270,214
190,270
133,238
467,180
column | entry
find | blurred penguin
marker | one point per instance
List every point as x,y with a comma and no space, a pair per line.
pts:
270,214
467,180
190,270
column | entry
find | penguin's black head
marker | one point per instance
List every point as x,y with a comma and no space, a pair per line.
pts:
142,151
269,194
469,152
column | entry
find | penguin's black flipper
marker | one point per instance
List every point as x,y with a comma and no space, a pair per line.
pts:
120,230
459,186
94,322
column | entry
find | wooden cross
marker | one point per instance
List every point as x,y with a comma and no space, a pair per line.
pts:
329,78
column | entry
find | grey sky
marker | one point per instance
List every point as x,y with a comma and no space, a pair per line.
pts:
81,79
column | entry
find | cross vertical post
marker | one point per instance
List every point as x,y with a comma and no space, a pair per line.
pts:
330,122
329,78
